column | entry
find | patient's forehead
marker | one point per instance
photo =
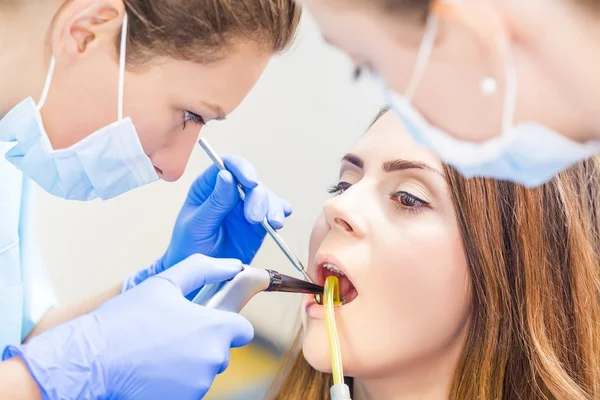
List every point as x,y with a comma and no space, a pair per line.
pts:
387,140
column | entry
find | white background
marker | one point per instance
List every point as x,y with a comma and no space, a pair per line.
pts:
302,116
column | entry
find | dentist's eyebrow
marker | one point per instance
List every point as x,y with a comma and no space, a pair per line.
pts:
215,109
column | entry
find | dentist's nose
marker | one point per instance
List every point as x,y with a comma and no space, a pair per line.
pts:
172,160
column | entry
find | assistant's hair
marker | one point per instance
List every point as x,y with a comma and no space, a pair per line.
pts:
422,6
534,264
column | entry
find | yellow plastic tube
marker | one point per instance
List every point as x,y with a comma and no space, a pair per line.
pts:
331,298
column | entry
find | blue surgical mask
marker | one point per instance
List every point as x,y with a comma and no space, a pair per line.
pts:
527,153
105,164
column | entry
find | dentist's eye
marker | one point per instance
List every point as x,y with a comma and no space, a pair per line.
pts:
189,116
407,202
339,188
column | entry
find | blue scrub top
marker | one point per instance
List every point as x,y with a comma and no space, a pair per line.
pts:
26,293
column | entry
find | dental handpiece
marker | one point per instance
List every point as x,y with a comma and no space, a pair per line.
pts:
234,294
274,235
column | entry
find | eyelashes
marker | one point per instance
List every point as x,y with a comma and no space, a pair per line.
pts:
340,188
189,116
403,201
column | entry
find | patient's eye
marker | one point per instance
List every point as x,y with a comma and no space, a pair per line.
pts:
405,201
339,188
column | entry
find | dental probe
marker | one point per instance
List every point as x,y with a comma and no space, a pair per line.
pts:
286,250
234,294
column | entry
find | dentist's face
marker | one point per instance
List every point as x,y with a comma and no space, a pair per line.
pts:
391,229
169,101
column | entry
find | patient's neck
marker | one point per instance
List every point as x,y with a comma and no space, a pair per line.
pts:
423,380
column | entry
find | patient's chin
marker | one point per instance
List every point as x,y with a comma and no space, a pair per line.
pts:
316,352
315,349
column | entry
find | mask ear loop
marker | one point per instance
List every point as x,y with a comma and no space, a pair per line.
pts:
510,98
46,89
493,29
122,61
423,55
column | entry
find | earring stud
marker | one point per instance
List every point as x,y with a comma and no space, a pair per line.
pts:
488,86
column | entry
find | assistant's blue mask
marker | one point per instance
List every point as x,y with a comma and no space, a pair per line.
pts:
105,164
527,153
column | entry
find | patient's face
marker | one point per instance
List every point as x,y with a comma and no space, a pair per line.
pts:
391,229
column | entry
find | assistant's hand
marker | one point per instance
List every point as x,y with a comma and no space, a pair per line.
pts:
148,343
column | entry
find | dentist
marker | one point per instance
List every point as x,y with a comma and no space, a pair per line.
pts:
99,97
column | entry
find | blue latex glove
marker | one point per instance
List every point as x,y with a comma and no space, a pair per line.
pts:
215,222
147,343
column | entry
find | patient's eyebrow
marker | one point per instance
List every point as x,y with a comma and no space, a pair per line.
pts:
354,160
401,165
392,166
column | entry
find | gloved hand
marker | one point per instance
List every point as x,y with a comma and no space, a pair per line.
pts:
215,222
147,343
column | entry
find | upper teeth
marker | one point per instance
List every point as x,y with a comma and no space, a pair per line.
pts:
333,268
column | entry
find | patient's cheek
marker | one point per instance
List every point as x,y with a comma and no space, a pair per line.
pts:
319,232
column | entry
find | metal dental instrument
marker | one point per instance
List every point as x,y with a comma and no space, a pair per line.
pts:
286,250
234,294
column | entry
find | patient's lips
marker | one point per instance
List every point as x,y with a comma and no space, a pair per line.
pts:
327,265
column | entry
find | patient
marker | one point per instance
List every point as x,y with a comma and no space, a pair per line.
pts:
454,288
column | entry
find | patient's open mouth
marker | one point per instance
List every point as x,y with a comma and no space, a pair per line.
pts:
347,290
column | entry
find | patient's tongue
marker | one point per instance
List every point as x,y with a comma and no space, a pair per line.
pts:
345,286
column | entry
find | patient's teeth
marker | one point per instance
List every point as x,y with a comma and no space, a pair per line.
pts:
333,268
319,299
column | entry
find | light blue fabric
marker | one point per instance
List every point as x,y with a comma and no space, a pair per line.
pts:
107,163
39,296
25,291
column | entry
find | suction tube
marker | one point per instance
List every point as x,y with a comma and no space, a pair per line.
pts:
331,298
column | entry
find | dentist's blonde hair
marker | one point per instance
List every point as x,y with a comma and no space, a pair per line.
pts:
534,262
201,31
204,30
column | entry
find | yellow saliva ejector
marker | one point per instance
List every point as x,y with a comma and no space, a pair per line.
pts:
331,299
